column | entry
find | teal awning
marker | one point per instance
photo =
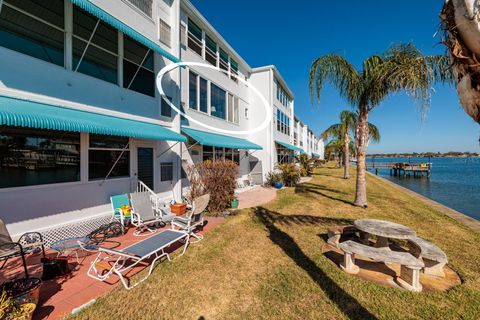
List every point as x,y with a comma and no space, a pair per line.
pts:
119,25
30,114
289,146
219,140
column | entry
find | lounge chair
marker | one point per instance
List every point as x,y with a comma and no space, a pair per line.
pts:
28,242
145,215
117,202
120,262
193,218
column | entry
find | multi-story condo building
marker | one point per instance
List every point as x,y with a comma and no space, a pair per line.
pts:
81,119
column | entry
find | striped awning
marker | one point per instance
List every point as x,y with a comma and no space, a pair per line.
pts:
289,146
219,140
119,25
31,114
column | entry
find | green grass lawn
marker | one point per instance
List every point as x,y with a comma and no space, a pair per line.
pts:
267,263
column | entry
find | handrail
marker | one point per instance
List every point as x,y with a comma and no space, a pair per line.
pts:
142,187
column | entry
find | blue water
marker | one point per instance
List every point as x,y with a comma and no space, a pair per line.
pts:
454,182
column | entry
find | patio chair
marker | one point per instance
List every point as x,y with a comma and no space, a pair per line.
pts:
120,262
193,218
144,215
118,201
28,242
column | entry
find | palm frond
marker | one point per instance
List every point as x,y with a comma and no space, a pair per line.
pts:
373,132
333,131
337,71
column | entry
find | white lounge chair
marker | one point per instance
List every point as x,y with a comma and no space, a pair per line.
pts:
145,215
120,262
193,218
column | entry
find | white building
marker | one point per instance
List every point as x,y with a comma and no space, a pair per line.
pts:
81,119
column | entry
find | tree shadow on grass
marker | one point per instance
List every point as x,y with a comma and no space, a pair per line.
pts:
345,302
306,189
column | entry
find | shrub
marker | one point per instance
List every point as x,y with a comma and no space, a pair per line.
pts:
218,178
305,165
273,177
290,174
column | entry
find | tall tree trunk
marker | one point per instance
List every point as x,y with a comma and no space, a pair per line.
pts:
461,22
361,144
346,152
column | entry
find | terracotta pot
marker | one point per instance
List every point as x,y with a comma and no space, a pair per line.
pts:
24,290
178,208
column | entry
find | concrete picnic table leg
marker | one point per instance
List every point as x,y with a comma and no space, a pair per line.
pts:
382,243
364,238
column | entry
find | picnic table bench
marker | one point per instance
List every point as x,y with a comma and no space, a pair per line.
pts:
410,265
433,257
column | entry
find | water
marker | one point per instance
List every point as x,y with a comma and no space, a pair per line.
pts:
454,182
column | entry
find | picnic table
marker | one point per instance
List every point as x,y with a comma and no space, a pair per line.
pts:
384,230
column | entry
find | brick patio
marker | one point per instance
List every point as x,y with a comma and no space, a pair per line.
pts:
60,296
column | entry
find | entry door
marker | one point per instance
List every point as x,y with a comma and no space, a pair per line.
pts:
145,166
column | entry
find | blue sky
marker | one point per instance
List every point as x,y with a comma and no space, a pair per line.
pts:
292,36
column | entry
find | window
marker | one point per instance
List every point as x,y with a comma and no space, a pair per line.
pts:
283,122
144,5
210,50
223,60
220,153
230,107
282,95
203,95
194,37
166,171
192,90
164,32
217,101
233,112
97,58
103,152
233,70
284,155
207,153
165,109
35,28
33,157
138,67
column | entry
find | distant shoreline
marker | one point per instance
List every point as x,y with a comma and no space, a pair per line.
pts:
463,156
452,213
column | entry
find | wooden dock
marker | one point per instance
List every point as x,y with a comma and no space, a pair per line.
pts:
402,168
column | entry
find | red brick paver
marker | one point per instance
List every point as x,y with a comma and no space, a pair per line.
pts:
60,296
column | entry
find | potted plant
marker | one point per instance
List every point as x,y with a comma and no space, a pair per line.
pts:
10,309
235,202
178,208
23,290
278,185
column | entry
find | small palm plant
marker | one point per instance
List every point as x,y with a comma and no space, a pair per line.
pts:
340,132
401,68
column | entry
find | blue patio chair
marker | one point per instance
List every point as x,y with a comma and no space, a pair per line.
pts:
117,202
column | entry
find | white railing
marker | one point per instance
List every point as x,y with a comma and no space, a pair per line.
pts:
157,203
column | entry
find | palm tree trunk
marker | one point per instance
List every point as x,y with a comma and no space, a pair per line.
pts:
346,152
361,144
460,20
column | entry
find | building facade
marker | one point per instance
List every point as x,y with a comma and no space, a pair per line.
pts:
81,118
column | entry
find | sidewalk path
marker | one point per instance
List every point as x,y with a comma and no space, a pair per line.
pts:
256,196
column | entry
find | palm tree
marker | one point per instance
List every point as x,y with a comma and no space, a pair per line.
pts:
342,130
401,67
462,33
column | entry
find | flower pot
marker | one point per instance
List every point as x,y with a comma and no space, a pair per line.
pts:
234,204
278,185
24,290
178,208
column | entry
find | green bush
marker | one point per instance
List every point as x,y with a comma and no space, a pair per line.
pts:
290,174
273,177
